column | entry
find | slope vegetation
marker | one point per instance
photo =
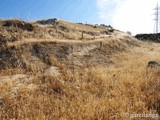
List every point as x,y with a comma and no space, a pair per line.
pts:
54,69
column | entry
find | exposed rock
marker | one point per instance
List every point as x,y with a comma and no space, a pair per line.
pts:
19,24
52,71
35,63
153,64
48,21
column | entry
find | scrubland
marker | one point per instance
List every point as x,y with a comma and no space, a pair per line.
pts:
105,79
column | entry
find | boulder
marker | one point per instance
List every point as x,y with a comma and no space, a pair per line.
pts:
153,64
52,71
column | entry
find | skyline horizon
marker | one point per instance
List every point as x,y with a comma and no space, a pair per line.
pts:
121,14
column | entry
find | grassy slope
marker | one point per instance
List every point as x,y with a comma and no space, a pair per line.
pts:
98,92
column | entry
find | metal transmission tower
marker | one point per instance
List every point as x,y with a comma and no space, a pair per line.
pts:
157,8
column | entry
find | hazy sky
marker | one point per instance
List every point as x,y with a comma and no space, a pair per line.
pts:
135,16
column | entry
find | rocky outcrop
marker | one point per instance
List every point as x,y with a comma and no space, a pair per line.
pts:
52,71
19,24
48,21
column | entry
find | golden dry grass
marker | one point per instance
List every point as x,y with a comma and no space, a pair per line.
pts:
101,92
97,93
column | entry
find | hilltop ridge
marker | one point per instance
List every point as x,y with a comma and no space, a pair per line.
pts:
17,30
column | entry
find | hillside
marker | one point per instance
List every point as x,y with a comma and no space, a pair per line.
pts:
54,69
17,30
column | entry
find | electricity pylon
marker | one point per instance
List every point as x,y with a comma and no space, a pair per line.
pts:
157,8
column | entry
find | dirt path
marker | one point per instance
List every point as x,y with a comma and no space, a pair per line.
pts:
114,35
50,40
100,38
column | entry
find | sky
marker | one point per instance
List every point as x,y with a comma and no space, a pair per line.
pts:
135,16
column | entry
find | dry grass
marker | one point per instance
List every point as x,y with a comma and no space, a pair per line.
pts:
98,93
